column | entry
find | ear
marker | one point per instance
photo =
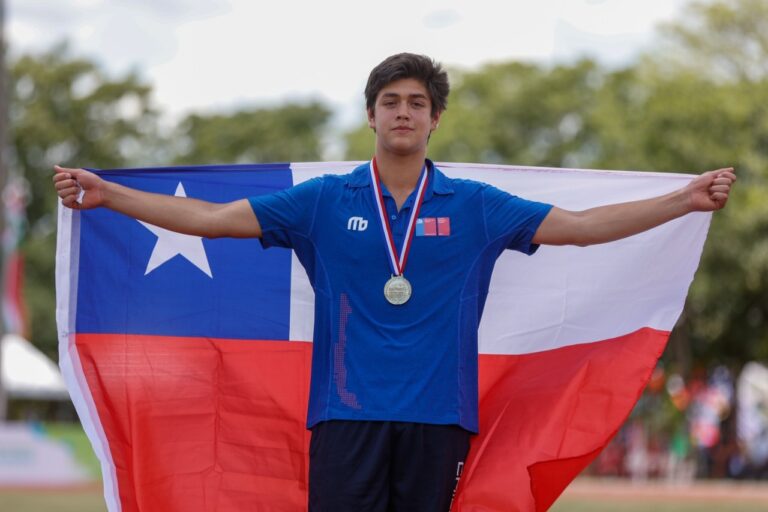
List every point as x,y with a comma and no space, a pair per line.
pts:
371,119
436,121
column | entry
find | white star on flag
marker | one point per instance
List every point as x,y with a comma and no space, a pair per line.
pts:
170,243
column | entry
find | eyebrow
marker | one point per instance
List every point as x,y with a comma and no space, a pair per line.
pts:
395,95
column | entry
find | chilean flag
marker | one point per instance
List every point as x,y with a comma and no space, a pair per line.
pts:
189,359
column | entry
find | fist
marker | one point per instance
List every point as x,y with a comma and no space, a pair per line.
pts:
78,188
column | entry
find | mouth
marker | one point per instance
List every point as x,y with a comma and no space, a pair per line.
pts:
402,129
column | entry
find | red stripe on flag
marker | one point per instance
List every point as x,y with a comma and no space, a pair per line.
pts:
14,307
545,416
202,424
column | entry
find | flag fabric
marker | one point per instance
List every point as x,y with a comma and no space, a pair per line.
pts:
188,359
15,318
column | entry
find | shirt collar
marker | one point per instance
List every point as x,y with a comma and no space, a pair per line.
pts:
438,183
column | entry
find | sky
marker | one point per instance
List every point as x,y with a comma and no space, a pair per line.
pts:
209,55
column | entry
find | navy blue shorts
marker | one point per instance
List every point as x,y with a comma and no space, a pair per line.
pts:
384,466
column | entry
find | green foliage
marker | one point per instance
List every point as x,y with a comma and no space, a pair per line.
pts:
727,40
722,51
65,110
517,112
359,142
702,103
285,133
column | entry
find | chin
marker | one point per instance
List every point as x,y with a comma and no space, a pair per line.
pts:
405,148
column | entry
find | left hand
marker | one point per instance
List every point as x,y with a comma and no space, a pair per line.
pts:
710,191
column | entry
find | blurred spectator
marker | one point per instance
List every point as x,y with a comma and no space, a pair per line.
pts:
637,457
710,405
752,425
680,467
707,427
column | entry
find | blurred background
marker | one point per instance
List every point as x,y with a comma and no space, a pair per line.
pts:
670,86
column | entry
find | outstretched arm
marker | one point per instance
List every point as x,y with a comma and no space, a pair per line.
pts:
180,214
707,192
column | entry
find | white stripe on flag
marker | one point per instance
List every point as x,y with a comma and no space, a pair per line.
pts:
302,297
551,300
67,275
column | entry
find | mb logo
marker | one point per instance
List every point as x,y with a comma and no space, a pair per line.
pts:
357,224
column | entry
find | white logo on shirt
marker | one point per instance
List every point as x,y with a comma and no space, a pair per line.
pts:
357,224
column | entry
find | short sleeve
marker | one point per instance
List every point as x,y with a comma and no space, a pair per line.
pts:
512,219
287,213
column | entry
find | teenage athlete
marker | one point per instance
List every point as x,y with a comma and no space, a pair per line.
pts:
393,397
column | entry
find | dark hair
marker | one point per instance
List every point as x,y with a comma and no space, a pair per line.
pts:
409,65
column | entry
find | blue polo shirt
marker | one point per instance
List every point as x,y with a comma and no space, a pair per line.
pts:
414,362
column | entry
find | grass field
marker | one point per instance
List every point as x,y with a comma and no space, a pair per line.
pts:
582,496
80,500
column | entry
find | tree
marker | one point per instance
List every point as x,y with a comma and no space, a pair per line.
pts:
291,132
688,122
723,48
727,41
66,110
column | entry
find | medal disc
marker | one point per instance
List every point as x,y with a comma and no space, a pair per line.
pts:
397,290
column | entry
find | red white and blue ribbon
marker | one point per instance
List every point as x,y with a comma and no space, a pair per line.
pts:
397,263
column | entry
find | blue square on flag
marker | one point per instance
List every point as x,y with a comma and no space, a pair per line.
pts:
164,283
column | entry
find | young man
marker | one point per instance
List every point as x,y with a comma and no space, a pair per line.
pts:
393,399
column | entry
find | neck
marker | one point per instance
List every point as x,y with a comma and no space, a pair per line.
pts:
400,174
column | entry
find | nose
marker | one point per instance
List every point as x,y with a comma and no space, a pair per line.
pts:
403,111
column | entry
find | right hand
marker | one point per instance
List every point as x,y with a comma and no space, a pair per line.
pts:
70,182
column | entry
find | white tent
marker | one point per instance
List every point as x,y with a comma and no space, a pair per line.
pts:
27,373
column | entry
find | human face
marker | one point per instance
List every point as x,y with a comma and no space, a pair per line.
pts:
402,118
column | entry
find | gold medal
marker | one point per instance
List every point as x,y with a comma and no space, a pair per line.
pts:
397,290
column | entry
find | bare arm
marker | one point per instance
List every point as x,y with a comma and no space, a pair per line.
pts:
180,214
708,192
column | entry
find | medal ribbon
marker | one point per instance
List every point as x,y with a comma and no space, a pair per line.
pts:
398,264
